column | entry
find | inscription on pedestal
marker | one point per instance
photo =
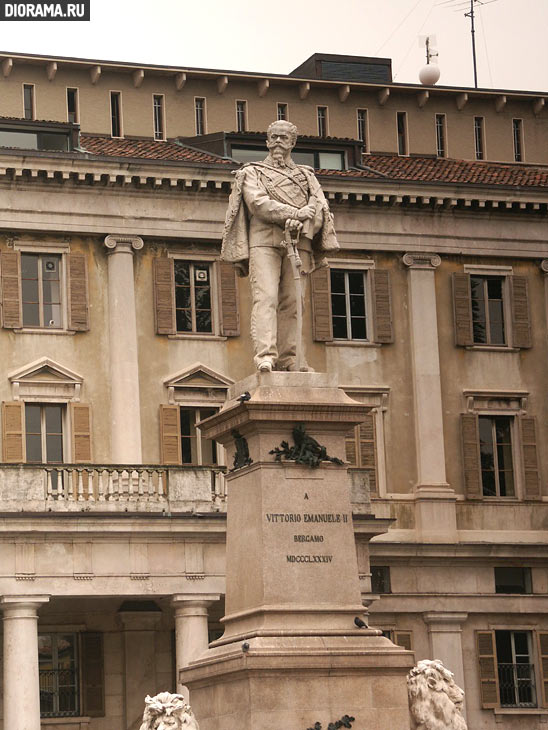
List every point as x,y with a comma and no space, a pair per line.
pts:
307,518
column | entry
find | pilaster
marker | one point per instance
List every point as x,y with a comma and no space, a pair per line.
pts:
445,637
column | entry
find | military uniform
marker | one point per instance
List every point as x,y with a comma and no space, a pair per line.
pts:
273,194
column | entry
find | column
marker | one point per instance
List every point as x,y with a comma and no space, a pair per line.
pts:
124,366
21,683
445,637
435,501
191,631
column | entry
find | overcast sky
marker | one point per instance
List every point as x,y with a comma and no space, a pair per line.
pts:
276,37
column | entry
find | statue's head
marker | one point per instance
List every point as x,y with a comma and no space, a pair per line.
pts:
281,137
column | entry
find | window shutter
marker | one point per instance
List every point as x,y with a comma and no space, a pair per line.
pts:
471,456
488,672
368,451
93,683
532,487
12,316
462,306
542,638
164,296
382,305
13,432
320,288
228,285
77,279
170,435
350,447
404,639
81,433
521,319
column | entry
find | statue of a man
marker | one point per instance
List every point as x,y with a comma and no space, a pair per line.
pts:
272,203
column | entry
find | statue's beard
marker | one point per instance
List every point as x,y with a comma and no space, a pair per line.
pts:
277,154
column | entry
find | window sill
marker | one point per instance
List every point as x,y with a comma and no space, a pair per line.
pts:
194,336
80,720
520,711
493,348
352,343
43,331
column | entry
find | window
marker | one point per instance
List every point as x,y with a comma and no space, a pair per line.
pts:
508,677
28,101
322,121
193,300
479,142
348,305
441,149
41,290
58,673
319,159
241,116
194,448
517,133
362,128
116,113
72,106
281,113
496,454
513,580
44,433
402,132
380,579
487,294
158,113
199,114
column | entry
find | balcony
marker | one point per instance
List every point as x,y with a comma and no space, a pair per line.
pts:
111,488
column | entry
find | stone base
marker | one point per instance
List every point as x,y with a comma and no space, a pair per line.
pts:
270,683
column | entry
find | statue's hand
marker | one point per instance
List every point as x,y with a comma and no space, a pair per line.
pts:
294,226
306,213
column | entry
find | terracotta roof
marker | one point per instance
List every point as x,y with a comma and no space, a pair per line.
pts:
147,149
431,169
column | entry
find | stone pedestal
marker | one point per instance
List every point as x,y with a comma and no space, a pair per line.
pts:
291,654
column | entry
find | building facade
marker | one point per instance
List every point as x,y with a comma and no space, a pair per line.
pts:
121,330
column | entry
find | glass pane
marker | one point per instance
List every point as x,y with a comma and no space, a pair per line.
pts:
30,290
32,418
182,297
51,290
34,448
355,282
506,481
337,281
54,447
54,419
52,315
184,320
45,649
331,161
187,421
358,328
502,430
504,646
521,645
488,483
203,321
494,288
66,651
182,273
31,314
186,450
29,266
203,297
339,328
338,305
357,305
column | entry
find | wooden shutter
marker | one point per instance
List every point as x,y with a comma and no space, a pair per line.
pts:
542,638
521,319
488,671
164,295
471,456
12,432
381,293
93,682
170,435
81,433
462,308
77,282
228,300
404,639
10,262
531,476
368,449
350,447
320,290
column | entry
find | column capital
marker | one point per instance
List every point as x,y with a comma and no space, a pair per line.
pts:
186,604
123,244
22,606
450,621
416,260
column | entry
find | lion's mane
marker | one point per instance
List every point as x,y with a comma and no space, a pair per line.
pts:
166,711
435,701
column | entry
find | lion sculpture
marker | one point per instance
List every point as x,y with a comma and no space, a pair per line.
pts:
435,701
168,712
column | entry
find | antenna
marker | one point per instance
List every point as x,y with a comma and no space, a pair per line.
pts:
428,42
429,74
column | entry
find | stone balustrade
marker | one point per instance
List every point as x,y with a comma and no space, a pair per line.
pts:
111,488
